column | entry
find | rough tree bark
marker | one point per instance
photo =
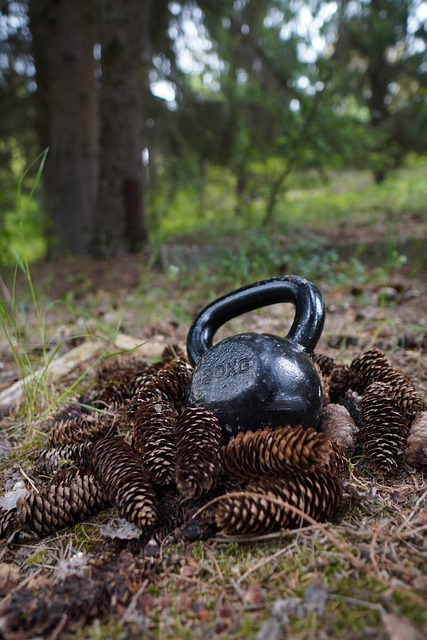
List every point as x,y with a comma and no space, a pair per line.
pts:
64,32
120,223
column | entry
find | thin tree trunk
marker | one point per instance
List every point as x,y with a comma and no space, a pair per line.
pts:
120,223
64,33
292,159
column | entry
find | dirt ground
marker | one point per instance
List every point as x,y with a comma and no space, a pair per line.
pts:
195,590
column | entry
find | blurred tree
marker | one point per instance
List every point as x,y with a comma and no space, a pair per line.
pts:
273,90
120,223
63,37
163,90
381,50
17,113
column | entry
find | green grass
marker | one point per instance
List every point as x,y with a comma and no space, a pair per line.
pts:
306,200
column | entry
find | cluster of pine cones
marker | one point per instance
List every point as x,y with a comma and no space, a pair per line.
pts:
133,444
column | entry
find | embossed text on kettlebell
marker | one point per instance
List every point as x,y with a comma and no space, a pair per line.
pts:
230,369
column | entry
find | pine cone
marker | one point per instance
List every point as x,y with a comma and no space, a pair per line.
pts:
340,382
337,425
77,454
139,382
154,438
273,451
116,380
416,449
198,451
248,514
352,401
171,513
120,368
164,382
383,430
316,492
407,399
325,364
7,517
173,352
113,395
367,368
85,428
70,411
172,381
120,472
142,388
339,459
73,496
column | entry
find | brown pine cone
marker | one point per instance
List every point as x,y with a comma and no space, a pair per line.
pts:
367,368
7,518
120,368
325,364
70,411
407,400
119,470
85,428
154,437
198,451
73,496
116,378
374,366
383,430
165,382
77,454
337,425
173,352
351,400
316,492
339,459
416,446
339,382
273,451
325,367
172,381
140,381
112,395
248,514
141,392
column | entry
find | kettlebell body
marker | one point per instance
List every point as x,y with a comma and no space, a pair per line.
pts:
253,380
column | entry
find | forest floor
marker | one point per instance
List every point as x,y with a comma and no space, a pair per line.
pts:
364,575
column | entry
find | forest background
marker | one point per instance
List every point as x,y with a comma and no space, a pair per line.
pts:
147,120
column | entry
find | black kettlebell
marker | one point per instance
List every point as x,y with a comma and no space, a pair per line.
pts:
253,380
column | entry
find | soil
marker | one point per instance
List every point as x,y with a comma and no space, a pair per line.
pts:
81,296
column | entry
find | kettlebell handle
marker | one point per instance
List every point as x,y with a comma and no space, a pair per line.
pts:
306,297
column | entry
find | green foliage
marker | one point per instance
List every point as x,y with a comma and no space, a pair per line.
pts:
308,199
22,231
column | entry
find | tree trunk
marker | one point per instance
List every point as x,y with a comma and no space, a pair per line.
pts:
64,32
120,223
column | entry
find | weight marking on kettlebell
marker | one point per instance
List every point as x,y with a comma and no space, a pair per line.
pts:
230,369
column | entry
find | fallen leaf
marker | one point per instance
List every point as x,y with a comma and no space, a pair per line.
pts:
398,628
9,578
121,529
